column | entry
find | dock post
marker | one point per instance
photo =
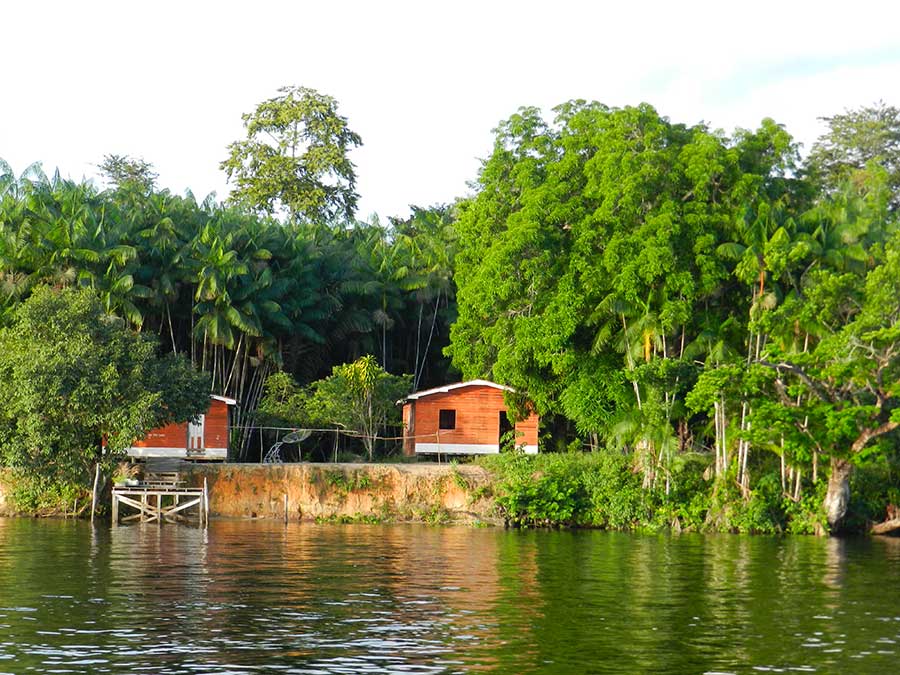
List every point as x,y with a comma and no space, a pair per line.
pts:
94,491
205,509
115,507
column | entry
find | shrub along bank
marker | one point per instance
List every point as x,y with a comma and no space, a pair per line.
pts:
604,490
591,490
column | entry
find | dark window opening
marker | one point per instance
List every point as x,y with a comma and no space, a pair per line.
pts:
447,419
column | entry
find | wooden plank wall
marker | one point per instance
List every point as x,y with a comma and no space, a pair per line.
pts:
215,431
477,417
170,436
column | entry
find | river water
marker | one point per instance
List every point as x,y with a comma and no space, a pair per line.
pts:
244,597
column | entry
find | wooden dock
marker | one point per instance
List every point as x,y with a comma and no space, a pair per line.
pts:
161,496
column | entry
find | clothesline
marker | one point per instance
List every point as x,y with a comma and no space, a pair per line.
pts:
345,432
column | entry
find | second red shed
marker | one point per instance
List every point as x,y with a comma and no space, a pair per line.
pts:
466,418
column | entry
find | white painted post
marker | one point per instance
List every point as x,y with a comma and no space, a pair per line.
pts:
94,491
205,509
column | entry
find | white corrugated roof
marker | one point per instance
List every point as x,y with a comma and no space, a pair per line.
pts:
224,399
450,387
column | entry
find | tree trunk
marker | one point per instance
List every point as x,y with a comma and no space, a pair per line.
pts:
418,341
421,372
838,495
172,331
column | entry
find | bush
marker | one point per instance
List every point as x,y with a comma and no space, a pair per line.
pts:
553,490
43,496
602,490
617,500
873,487
541,490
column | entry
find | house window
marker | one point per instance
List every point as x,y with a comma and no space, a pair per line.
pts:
447,419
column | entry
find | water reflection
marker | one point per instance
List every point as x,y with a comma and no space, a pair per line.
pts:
242,596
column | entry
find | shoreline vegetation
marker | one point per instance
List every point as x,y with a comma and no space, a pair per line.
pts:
707,323
597,490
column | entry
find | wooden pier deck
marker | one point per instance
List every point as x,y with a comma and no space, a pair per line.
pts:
161,496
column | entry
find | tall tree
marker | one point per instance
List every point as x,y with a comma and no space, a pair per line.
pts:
430,238
593,236
73,374
295,158
855,140
126,172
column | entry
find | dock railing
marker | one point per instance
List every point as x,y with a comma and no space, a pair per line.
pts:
160,496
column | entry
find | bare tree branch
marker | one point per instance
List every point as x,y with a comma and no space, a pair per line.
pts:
821,392
868,434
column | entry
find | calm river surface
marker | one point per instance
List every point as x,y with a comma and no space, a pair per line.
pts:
246,597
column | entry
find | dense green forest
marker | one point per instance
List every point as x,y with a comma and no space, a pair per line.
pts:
671,290
718,314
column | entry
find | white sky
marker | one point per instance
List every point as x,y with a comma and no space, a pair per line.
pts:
422,82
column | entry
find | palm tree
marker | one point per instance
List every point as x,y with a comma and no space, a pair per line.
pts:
430,242
389,275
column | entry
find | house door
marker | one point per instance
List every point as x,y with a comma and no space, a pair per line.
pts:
195,434
506,427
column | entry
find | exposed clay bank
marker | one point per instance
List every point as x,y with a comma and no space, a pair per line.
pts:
429,492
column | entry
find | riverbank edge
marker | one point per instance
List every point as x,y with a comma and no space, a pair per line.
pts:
340,492
432,493
599,492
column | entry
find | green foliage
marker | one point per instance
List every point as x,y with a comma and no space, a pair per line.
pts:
665,290
295,158
346,483
481,492
544,495
602,490
670,289
458,479
761,514
284,402
434,515
588,243
242,295
689,499
616,498
73,374
37,494
128,173
597,490
806,516
360,397
874,487
857,140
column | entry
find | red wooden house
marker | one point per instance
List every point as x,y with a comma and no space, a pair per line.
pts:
207,438
466,418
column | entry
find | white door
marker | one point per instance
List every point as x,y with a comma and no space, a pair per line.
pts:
195,434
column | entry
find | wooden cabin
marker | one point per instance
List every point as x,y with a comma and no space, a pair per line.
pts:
466,418
207,438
